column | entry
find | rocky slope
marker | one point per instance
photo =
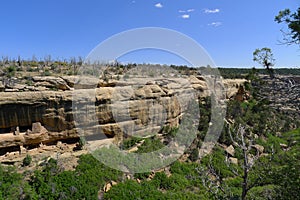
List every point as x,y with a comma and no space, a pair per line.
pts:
283,93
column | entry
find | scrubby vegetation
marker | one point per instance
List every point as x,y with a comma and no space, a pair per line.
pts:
271,172
50,182
273,176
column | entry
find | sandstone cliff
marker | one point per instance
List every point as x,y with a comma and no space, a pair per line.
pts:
29,118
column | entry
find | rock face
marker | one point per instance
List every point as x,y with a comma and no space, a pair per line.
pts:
232,86
51,82
22,109
33,117
37,83
39,117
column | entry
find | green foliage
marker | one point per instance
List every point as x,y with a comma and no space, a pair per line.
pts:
292,20
264,56
183,183
217,161
130,142
278,174
169,132
292,137
252,113
81,142
234,184
12,185
272,143
263,192
183,168
132,190
232,73
174,182
29,82
205,115
46,73
150,145
161,181
11,71
27,160
194,155
142,176
90,176
280,170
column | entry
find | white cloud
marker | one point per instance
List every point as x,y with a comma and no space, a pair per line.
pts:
186,11
215,24
208,11
158,5
185,16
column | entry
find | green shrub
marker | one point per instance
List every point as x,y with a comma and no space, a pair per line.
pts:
130,189
194,156
234,185
161,181
170,132
178,182
184,168
217,161
29,82
83,183
27,160
11,71
150,145
46,73
130,142
142,176
272,143
262,192
292,137
12,185
81,143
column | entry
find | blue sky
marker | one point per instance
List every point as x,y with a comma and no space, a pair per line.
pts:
229,30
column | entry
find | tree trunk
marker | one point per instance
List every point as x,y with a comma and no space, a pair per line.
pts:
245,176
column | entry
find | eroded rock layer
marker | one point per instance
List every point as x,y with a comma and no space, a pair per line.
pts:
34,117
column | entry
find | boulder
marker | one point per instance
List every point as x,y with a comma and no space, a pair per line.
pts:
113,183
233,160
230,150
259,148
51,82
107,187
283,146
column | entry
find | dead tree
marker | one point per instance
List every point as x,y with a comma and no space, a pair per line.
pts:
245,144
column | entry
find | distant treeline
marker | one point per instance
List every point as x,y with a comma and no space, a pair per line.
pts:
242,72
71,66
